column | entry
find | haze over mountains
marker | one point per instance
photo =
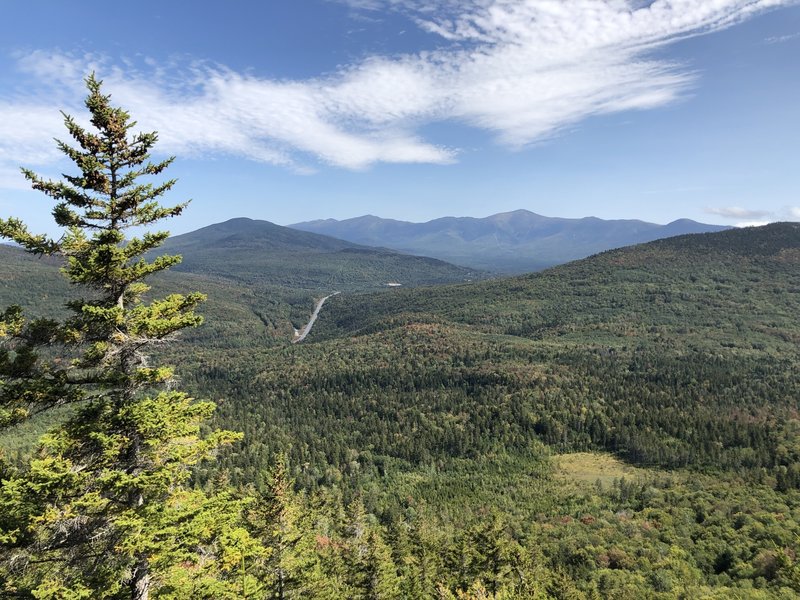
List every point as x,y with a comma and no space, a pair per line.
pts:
253,251
512,242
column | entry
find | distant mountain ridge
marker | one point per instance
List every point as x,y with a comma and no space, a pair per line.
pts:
261,278
511,242
255,251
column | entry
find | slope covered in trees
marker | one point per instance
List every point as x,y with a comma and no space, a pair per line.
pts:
262,253
103,509
709,282
679,356
621,427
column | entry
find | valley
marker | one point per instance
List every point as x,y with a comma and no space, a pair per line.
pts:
299,336
597,408
469,400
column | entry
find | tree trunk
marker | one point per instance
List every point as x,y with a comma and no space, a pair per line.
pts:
140,582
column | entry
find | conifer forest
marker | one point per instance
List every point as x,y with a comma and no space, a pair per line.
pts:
625,426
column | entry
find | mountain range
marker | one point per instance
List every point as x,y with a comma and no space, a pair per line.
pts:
260,277
631,418
253,251
511,242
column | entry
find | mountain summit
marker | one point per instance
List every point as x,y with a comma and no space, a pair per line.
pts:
256,251
511,242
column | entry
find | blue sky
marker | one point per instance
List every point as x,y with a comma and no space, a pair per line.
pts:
291,110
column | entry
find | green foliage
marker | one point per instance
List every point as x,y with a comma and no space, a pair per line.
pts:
672,355
258,253
419,426
103,509
80,496
291,567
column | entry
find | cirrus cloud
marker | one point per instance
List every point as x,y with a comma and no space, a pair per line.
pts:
737,212
522,70
755,217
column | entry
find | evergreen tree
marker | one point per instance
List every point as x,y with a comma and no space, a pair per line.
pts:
291,567
417,546
494,552
103,510
371,571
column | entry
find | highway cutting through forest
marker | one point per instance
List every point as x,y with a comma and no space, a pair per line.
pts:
299,336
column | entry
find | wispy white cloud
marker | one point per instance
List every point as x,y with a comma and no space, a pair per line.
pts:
677,190
754,217
779,39
523,70
752,223
201,109
362,4
737,212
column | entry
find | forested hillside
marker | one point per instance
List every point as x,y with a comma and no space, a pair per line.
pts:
679,356
625,426
262,253
676,353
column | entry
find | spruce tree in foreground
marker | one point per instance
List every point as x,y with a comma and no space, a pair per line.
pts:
104,510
